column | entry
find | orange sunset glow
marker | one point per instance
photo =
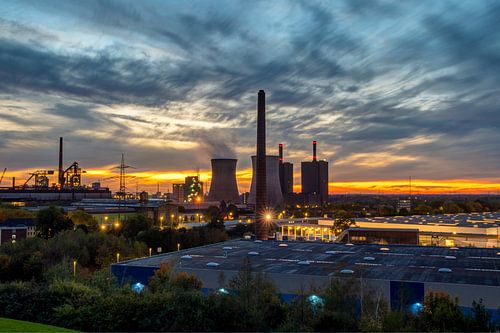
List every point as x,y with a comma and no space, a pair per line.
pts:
149,181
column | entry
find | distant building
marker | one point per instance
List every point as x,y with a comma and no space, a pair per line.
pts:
404,204
178,192
244,198
13,230
287,182
193,189
381,236
286,174
314,176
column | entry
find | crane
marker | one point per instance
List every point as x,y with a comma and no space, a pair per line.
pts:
3,174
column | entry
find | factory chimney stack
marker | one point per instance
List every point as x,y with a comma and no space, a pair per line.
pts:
314,151
261,230
61,171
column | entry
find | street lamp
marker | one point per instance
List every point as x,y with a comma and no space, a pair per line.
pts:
74,268
161,222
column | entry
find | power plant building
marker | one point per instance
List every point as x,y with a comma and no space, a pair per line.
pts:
224,186
274,195
314,176
178,192
286,174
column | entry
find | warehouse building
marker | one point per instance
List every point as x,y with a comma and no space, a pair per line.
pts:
13,230
474,229
466,273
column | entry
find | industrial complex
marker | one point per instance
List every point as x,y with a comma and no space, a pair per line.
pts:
69,185
391,255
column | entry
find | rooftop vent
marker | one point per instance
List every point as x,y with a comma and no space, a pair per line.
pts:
445,270
347,271
212,264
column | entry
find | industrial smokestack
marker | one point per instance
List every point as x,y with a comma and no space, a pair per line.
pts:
61,171
224,186
13,182
280,148
314,151
261,229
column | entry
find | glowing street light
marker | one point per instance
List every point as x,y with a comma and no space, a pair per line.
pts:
74,268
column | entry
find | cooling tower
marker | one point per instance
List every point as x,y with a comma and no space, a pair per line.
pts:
224,186
274,195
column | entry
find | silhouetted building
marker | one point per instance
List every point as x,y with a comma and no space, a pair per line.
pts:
315,179
286,174
178,192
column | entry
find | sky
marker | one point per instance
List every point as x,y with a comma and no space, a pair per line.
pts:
389,89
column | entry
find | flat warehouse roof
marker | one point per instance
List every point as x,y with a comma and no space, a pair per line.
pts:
477,266
477,220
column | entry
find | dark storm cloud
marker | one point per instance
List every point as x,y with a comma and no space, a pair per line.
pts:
103,78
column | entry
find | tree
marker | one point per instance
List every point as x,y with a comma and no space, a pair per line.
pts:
441,313
343,220
258,298
51,220
387,210
481,318
132,226
82,218
450,207
422,209
8,212
214,217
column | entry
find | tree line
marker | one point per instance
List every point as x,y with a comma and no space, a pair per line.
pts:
174,301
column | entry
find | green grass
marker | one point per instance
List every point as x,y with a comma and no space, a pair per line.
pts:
11,325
